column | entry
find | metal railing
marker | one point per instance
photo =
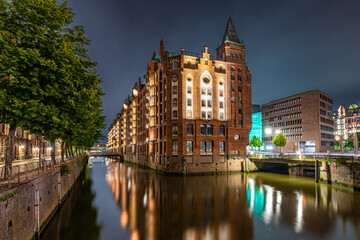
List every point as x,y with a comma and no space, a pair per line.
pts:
24,171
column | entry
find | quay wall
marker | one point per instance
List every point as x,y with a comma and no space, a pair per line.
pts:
26,209
347,175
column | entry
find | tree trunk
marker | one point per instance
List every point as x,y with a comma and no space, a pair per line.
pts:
71,151
53,152
62,150
10,143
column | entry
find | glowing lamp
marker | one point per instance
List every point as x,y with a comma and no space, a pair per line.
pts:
277,131
125,106
268,131
135,92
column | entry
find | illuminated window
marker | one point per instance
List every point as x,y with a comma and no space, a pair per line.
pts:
189,114
233,99
221,146
189,146
209,91
202,146
206,61
203,91
175,146
221,104
189,90
236,136
209,146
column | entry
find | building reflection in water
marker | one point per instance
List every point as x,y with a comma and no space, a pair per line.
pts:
155,206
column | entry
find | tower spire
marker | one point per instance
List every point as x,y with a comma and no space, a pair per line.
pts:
230,33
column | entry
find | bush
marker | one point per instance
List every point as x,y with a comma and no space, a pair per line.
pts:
65,169
340,161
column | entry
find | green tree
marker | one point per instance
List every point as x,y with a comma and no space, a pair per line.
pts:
279,140
48,83
255,142
336,144
349,143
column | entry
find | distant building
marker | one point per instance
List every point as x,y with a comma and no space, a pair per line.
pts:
192,114
347,121
305,119
257,127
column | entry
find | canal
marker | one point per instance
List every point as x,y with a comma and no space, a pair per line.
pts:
116,200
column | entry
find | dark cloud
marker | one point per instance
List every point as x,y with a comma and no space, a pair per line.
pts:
291,45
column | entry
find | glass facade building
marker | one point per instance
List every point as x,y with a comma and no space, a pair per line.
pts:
257,128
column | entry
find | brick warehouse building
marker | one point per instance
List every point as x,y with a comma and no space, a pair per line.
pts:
305,119
192,114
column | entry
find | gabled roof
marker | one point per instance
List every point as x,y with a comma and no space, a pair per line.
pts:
230,33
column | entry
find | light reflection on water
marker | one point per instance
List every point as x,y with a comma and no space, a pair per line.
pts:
142,204
230,206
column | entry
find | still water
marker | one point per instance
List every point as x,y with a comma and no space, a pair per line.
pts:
120,201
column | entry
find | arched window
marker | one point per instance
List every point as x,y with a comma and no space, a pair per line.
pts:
221,146
203,129
222,130
239,70
174,79
232,69
209,129
189,129
174,64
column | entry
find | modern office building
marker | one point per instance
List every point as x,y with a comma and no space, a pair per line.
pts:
257,127
192,112
305,119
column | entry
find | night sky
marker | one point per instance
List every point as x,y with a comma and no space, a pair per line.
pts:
291,45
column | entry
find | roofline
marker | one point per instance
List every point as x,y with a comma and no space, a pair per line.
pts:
297,95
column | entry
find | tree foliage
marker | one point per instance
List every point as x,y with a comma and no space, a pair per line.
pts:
48,83
255,142
279,140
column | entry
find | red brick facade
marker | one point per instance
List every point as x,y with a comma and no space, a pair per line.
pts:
193,114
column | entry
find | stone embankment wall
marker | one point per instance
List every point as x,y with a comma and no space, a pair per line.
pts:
26,209
347,175
194,164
